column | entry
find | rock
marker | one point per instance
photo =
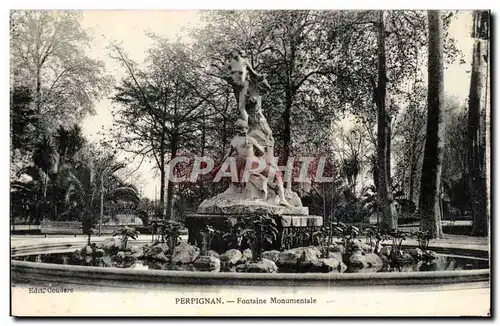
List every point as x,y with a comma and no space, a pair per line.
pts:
429,255
290,260
358,245
110,244
360,259
386,251
324,265
106,261
337,248
163,246
77,255
403,259
152,252
120,256
262,266
156,252
313,250
87,250
160,257
235,203
309,254
99,252
126,263
207,263
185,254
416,253
247,256
124,259
290,257
231,257
337,255
134,249
385,259
213,253
138,253
154,264
272,255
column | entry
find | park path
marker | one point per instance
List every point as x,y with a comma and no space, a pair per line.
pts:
448,241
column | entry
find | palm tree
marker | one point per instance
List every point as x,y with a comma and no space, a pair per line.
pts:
69,142
81,194
259,230
112,188
206,236
46,159
126,233
27,188
87,183
36,179
171,231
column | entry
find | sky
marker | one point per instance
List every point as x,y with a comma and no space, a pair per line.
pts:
130,27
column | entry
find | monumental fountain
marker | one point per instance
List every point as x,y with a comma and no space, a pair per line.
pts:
260,187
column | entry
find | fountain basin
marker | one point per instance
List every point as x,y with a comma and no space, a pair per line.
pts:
23,271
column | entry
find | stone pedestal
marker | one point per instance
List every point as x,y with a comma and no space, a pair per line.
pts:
222,222
225,209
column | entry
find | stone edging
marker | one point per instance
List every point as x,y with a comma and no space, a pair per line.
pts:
117,277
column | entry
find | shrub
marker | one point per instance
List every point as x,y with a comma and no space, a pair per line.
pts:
126,233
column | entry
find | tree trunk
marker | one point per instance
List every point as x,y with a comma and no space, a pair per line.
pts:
162,178
287,127
170,186
38,89
101,211
430,196
413,171
383,132
476,140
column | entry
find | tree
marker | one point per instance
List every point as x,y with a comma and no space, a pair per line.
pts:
90,183
409,141
111,187
430,189
161,107
383,130
125,233
23,117
46,159
48,56
69,142
379,54
292,48
477,128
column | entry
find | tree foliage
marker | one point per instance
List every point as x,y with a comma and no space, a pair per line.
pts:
48,57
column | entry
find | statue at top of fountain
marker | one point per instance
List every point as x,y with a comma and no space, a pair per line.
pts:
264,190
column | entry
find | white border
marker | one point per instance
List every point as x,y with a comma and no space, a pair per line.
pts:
185,4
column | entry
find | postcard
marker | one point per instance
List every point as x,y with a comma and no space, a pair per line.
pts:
182,163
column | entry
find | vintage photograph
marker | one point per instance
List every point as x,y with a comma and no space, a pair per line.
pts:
211,163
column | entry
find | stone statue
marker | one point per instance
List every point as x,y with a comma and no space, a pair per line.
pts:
258,190
254,138
247,147
247,83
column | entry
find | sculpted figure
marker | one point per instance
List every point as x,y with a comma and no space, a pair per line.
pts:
254,136
246,147
247,83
